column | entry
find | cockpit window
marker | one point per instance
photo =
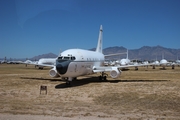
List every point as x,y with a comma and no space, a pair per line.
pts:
73,58
60,58
66,58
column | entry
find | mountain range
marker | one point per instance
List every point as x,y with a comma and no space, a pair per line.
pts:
143,53
146,53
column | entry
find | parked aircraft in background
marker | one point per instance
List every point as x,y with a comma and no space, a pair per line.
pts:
177,62
3,61
14,62
10,61
124,61
48,61
41,62
163,62
28,62
155,63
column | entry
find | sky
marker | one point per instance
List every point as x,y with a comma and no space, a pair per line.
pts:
33,27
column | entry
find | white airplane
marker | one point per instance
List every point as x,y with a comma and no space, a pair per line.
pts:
41,63
125,61
155,63
14,62
4,61
73,63
177,62
27,62
49,61
163,62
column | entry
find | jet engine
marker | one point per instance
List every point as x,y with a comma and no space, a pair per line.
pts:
53,73
115,72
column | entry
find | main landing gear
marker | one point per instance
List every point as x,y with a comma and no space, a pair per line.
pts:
68,80
103,76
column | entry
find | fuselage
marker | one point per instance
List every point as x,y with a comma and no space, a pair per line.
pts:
50,61
124,62
156,62
77,62
163,62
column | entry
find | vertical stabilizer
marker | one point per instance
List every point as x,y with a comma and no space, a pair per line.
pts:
99,44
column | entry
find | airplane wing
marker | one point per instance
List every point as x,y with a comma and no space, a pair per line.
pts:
43,65
114,70
114,54
109,68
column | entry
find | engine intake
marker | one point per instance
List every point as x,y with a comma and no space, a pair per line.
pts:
53,73
115,72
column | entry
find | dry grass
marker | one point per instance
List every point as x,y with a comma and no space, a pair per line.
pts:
142,94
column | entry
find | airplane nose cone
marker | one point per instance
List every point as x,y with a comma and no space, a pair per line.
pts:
59,67
62,67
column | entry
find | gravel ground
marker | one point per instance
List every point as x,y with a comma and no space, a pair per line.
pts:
143,94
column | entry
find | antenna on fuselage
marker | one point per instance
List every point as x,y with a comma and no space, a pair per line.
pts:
99,45
60,52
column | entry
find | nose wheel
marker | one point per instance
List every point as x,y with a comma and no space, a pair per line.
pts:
68,82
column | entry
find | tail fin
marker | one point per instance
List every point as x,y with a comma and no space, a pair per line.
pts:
99,45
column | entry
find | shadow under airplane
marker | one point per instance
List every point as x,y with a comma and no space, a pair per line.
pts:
76,83
84,81
36,78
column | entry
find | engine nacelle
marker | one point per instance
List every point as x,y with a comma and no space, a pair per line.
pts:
115,72
53,73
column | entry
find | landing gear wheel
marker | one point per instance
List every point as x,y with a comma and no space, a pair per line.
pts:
68,83
103,76
100,77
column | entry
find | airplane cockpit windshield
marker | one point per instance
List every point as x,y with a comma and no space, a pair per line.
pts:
66,58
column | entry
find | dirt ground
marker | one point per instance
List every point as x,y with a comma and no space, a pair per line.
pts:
152,94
